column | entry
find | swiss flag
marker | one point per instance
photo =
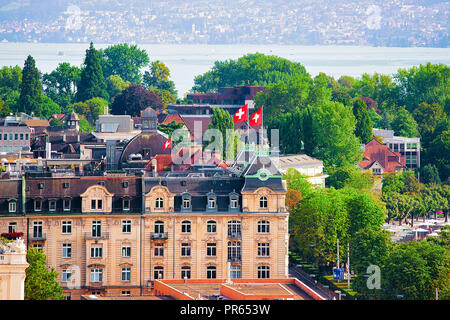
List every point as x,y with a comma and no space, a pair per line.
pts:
255,119
240,115
168,144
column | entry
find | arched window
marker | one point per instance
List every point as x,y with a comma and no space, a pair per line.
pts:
263,226
211,226
159,203
263,202
185,226
159,227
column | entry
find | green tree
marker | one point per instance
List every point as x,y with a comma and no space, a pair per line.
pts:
85,126
289,126
438,151
413,270
60,84
428,116
350,177
429,174
10,79
222,121
363,129
256,69
368,247
4,109
92,82
40,282
333,119
115,85
392,183
54,122
125,61
170,127
48,107
404,124
30,89
159,79
91,108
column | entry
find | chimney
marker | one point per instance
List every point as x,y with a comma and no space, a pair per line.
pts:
155,168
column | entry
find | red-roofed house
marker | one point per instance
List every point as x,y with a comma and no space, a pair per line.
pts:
378,158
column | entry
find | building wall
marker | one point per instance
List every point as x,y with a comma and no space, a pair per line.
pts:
12,272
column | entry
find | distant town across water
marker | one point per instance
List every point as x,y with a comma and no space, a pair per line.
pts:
187,61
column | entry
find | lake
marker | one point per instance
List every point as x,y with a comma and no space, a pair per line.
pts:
187,61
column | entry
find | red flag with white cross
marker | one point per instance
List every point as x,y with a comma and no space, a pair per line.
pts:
256,118
168,144
240,115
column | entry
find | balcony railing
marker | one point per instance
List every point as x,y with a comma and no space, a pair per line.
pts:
159,235
234,259
38,237
234,235
90,236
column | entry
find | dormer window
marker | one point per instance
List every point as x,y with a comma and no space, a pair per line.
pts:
234,201
159,203
263,203
212,201
186,203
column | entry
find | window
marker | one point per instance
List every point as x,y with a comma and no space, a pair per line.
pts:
263,272
185,249
16,136
66,276
96,228
66,204
235,271
211,203
159,203
125,184
12,206
126,251
52,205
96,293
233,203
263,250
186,226
96,275
21,136
185,272
12,227
263,202
263,226
66,226
37,246
125,293
41,186
158,272
65,185
10,136
159,227
126,204
210,249
234,229
96,252
67,250
37,229
126,226
187,202
234,250
159,250
96,204
211,226
376,170
211,272
37,205
26,136
126,274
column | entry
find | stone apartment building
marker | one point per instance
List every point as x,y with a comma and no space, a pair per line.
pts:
14,137
114,235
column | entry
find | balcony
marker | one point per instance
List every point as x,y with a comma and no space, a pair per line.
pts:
159,235
234,259
89,236
235,235
38,237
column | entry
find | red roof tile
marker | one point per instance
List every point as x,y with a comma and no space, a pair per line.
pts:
376,151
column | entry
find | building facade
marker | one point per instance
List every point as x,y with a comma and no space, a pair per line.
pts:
114,235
